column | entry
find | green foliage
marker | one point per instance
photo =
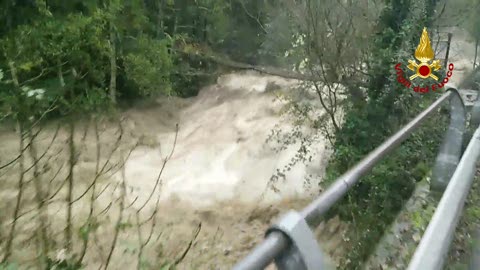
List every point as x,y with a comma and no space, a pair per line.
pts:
63,58
374,203
280,36
463,13
49,36
8,266
465,240
61,51
64,265
167,266
149,66
474,20
86,229
421,218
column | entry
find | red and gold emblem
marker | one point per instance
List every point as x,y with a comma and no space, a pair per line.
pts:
424,54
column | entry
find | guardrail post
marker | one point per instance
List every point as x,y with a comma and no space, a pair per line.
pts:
451,148
304,253
475,118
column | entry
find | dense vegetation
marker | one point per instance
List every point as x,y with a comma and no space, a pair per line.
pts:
65,58
380,196
124,49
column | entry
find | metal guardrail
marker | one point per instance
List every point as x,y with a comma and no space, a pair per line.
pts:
433,248
451,148
291,243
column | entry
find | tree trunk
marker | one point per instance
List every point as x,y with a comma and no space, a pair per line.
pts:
42,214
60,74
69,198
71,166
41,202
21,170
476,51
8,16
113,65
176,8
159,30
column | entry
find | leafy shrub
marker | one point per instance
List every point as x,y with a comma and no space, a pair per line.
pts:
376,200
149,66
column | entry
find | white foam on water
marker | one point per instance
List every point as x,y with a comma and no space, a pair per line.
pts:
221,152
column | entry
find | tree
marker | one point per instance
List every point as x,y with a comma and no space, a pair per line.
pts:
473,27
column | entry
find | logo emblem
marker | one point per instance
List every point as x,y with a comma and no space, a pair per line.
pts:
424,68
424,54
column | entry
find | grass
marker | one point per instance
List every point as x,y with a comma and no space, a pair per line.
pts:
460,250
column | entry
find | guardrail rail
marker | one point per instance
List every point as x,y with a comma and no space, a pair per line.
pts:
291,244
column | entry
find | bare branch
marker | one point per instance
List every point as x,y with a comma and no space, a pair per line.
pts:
8,246
184,254
34,78
19,155
41,206
71,162
161,170
119,220
92,197
35,163
251,16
